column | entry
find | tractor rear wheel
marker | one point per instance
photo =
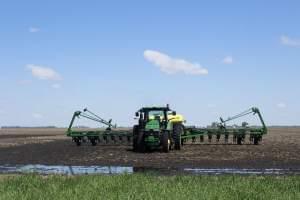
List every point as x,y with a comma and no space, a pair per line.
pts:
177,132
135,137
165,142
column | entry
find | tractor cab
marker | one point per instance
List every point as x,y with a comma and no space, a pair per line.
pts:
154,118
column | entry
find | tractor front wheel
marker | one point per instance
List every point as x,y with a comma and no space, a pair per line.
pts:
165,142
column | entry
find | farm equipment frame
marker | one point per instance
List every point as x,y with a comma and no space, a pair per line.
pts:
162,128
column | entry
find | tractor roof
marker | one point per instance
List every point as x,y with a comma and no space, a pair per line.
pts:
154,108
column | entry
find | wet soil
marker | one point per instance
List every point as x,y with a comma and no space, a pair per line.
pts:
279,149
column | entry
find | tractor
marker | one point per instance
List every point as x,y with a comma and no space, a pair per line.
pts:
157,128
162,128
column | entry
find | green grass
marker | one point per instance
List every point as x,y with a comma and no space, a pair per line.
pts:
141,186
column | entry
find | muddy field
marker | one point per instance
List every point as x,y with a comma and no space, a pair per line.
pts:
279,149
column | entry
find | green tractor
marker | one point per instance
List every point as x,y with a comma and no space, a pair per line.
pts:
158,127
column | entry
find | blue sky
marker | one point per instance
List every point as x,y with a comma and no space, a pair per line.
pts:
205,58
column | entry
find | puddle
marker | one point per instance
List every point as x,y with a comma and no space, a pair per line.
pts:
64,170
244,171
85,170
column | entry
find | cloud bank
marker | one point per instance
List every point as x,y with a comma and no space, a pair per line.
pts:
171,65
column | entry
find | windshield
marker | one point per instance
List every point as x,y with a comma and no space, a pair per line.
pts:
156,114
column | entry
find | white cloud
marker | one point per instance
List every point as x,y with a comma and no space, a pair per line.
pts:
228,60
33,29
56,86
281,105
37,116
171,65
285,40
43,73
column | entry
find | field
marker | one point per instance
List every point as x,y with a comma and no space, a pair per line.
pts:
279,149
140,186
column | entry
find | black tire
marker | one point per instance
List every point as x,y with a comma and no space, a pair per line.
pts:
165,142
239,140
77,141
226,138
177,132
141,147
135,133
201,138
256,140
93,142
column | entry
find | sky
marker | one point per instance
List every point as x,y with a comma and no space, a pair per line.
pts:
205,58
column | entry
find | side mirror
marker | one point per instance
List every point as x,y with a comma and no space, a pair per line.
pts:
137,114
174,113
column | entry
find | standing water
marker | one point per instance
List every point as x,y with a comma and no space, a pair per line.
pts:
82,170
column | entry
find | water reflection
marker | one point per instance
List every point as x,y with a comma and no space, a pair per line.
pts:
82,170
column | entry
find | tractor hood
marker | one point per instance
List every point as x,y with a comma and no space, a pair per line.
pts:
153,124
